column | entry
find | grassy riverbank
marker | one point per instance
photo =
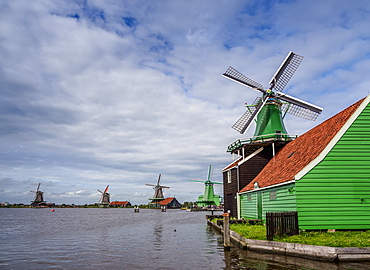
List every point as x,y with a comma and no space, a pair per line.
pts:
329,239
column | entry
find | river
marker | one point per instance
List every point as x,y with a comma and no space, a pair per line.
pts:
92,238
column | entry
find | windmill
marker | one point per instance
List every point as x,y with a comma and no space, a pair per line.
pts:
272,106
39,198
158,192
209,197
104,198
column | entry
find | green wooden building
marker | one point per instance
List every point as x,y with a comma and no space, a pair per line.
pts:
324,174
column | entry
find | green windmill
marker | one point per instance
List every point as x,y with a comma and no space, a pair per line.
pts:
209,197
269,110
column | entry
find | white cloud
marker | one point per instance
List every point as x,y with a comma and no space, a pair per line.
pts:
118,92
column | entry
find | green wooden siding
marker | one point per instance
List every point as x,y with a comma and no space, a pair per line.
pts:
336,193
285,201
249,208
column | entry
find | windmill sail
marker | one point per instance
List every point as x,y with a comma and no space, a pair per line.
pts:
285,71
158,192
235,75
301,108
268,111
105,197
247,118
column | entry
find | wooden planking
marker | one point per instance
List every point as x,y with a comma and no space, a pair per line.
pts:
247,172
285,201
248,208
230,190
336,193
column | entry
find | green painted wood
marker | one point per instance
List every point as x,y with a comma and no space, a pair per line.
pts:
285,201
269,120
336,193
259,205
248,208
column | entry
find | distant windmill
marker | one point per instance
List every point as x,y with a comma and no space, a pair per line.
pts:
209,197
269,107
158,192
39,198
104,198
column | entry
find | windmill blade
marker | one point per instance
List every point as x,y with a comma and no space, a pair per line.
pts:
217,183
38,187
300,108
151,185
159,179
106,189
238,126
200,181
100,191
247,118
163,187
285,71
209,172
238,77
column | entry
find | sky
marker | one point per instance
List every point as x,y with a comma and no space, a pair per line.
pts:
97,93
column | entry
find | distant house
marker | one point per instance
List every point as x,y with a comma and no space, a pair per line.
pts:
324,175
170,202
120,204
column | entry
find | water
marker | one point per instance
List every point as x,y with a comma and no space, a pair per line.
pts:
84,238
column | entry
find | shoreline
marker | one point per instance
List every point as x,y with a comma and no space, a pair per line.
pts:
335,254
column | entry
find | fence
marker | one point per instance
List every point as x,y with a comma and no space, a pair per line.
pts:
281,223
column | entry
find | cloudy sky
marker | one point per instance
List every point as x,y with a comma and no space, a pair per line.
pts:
97,93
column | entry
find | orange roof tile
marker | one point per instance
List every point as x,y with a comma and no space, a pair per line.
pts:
119,203
297,154
166,201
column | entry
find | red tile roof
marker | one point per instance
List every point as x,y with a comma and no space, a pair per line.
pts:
166,201
297,154
123,203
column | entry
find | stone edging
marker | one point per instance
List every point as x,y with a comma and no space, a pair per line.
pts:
299,250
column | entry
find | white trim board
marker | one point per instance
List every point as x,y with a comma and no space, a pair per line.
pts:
250,156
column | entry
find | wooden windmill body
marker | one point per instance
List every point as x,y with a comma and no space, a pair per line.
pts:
104,198
39,197
158,193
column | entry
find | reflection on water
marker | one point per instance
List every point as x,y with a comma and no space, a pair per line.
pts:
122,239
158,236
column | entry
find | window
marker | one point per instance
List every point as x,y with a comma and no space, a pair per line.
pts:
229,176
249,197
272,195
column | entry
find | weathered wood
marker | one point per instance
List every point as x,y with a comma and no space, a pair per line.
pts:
226,226
281,223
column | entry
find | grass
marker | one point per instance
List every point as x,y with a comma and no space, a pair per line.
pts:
332,239
257,232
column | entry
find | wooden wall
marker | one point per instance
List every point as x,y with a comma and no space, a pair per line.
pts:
284,200
336,193
247,172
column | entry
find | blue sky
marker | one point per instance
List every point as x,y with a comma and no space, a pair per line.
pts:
116,92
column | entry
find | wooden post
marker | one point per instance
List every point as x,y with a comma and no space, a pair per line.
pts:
226,230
